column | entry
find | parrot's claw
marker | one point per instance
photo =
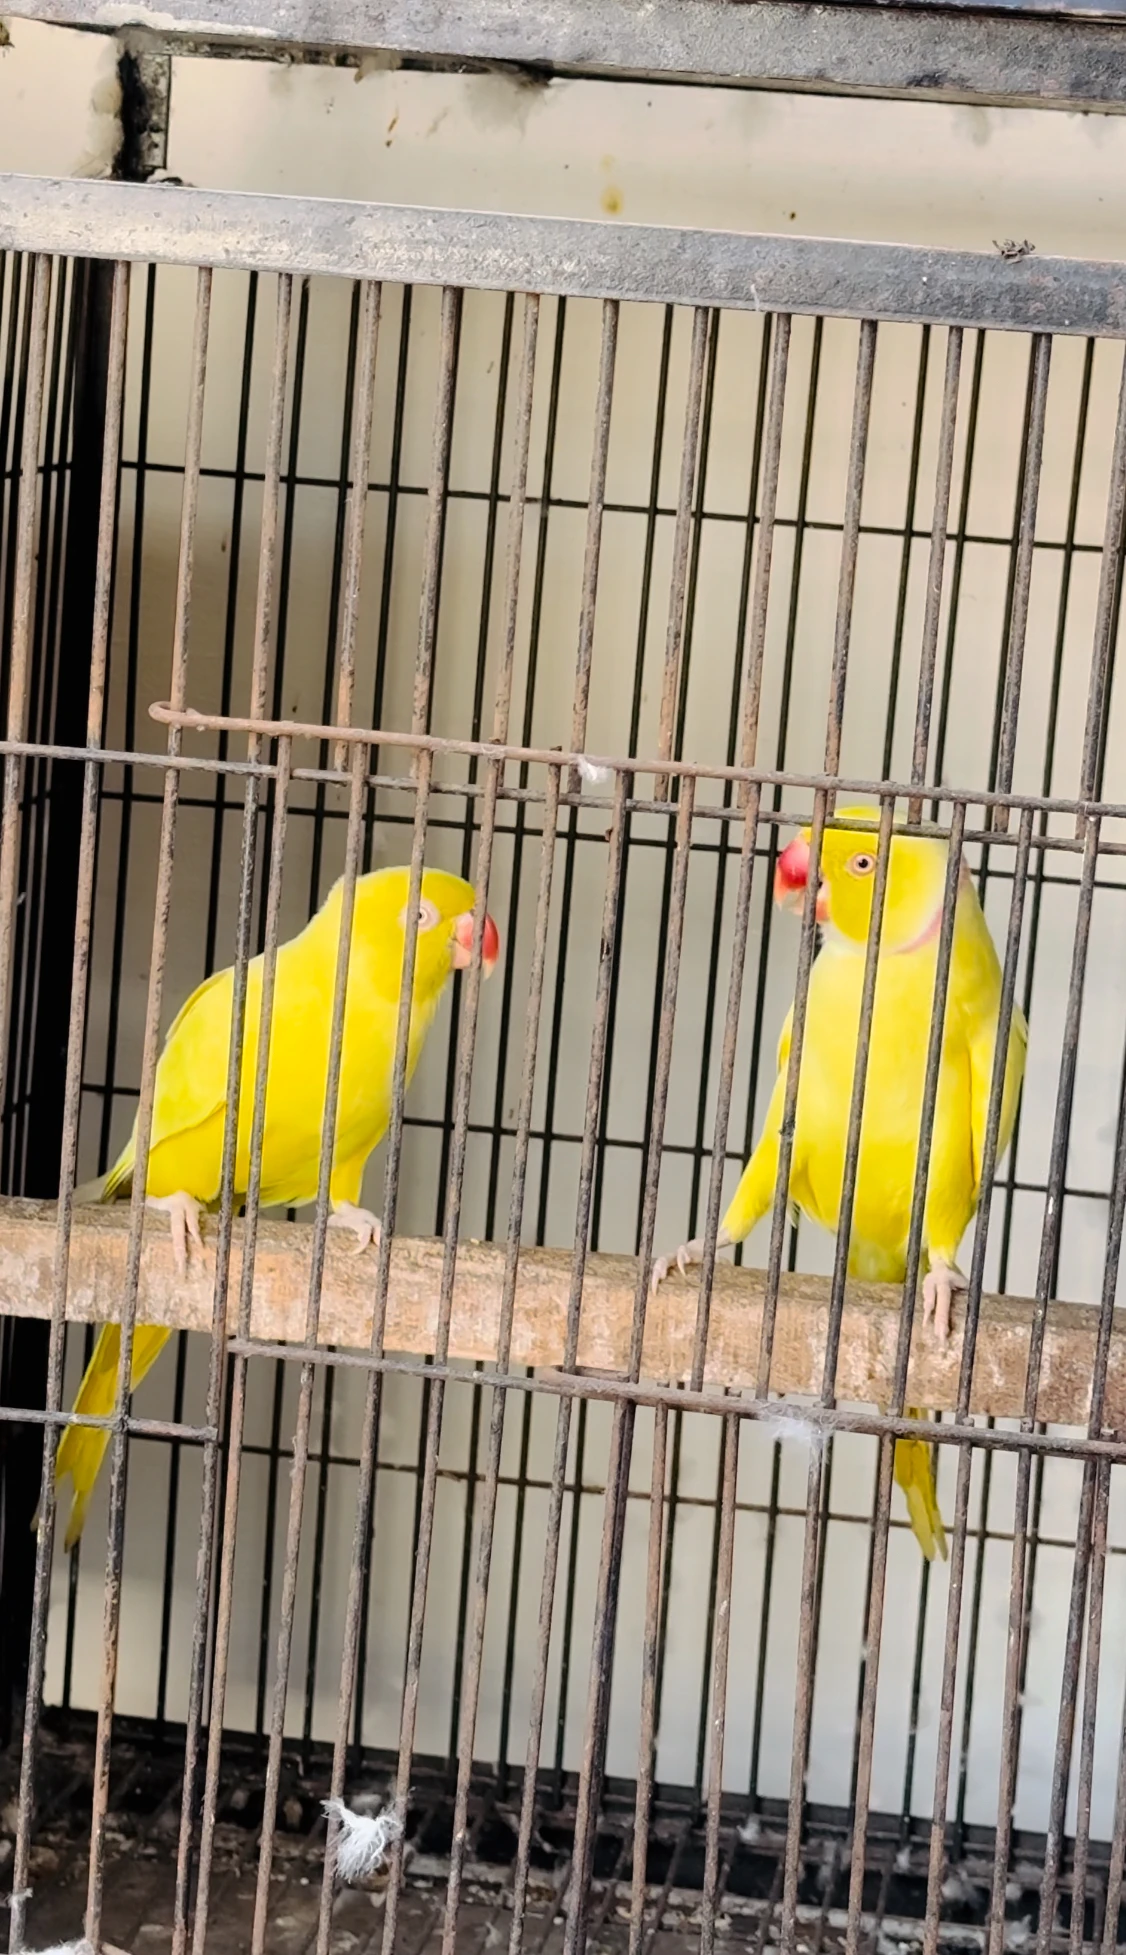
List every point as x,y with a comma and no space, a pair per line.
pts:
686,1255
689,1252
940,1286
364,1225
183,1212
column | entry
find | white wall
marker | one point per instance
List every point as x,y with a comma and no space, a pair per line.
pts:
926,173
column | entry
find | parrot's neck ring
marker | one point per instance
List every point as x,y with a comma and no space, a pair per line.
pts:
930,930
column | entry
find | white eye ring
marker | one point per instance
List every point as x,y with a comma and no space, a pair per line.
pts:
861,865
427,915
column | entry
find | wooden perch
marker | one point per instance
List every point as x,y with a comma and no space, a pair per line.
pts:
281,1287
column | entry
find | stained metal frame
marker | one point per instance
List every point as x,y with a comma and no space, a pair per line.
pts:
613,263
1014,54
574,257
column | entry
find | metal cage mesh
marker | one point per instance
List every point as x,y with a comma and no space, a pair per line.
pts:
630,588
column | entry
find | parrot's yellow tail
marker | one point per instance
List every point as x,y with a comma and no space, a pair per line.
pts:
83,1448
915,1475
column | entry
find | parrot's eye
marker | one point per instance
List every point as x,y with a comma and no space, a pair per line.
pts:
861,865
427,915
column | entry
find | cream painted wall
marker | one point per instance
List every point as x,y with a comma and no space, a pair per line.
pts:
856,169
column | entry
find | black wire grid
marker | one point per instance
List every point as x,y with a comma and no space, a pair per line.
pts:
669,863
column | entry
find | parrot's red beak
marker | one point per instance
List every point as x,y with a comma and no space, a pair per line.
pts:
463,943
791,874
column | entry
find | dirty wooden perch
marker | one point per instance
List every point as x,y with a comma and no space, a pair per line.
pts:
281,1289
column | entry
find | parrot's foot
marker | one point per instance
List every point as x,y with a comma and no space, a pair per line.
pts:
364,1225
183,1212
940,1286
688,1253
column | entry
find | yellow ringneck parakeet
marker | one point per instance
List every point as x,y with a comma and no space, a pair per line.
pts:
186,1148
893,1096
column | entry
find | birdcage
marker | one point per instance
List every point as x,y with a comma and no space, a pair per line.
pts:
587,559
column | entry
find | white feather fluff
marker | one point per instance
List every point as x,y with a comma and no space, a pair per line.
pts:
591,772
363,1839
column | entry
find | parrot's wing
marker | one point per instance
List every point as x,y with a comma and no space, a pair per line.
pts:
191,1079
784,1041
981,1079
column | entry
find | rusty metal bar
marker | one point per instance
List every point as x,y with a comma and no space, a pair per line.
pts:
288,1602
1025,556
600,1018
365,1492
1049,1242
936,563
621,1439
209,1491
143,1127
750,800
1082,1842
1088,1567
650,1653
941,792
357,508
971,1329
263,623
23,599
1110,573
882,1513
686,489
436,508
472,1677
812,1547
76,1031
720,1656
850,543
596,498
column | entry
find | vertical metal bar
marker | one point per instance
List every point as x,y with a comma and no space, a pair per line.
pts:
436,507
850,539
1110,571
288,1599
1026,544
1049,1244
1090,1543
263,627
20,640
803,1700
103,587
621,1440
750,797
875,1617
646,1744
969,1343
1081,1849
721,1652
222,1632
615,853
594,511
162,907
674,637
476,1637
424,1541
235,1114
936,563
357,511
805,1661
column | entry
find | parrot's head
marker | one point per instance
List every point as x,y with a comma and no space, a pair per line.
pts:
915,885
445,925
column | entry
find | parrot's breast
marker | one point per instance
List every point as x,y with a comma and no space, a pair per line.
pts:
893,1102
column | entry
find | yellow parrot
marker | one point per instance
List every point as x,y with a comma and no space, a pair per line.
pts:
893,1096
186,1148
